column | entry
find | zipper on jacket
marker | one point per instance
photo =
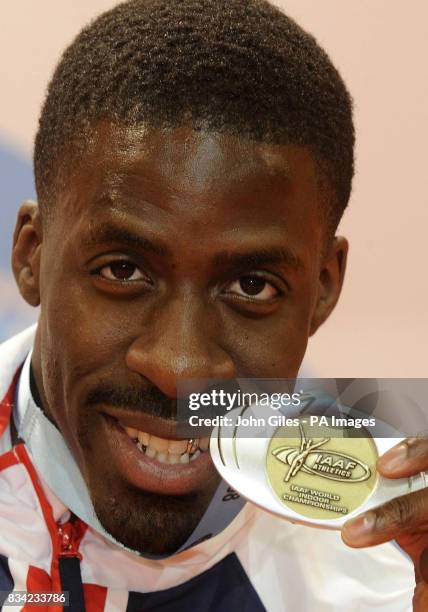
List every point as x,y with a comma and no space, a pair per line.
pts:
69,558
69,540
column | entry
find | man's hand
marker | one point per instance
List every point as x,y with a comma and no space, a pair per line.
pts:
404,519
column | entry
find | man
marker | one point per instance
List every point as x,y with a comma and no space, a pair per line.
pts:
192,163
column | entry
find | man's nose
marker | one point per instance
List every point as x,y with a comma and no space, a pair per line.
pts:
182,341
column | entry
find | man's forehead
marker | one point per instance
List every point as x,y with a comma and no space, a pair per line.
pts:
185,177
195,152
130,164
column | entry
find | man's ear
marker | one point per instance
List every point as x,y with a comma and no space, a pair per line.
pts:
330,282
26,250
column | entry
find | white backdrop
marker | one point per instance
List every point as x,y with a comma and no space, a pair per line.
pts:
380,327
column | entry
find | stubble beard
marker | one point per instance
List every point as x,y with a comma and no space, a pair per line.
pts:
149,523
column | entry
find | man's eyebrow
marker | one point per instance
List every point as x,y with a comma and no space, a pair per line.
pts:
259,257
105,233
108,233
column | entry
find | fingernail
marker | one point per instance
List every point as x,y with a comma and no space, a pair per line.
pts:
394,458
359,528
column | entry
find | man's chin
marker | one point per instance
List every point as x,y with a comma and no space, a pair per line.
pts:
149,523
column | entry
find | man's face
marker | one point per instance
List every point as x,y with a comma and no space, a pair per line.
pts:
171,254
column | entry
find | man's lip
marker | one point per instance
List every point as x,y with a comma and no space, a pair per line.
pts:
147,474
154,425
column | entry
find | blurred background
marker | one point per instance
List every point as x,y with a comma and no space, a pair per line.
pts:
380,326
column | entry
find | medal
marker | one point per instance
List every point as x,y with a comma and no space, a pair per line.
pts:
319,476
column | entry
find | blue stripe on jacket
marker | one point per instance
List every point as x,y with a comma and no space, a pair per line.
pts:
6,580
222,588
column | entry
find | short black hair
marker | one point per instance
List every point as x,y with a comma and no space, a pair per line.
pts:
240,66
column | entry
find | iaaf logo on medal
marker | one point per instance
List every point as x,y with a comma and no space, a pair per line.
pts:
329,464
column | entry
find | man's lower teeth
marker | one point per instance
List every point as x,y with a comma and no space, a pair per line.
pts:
170,458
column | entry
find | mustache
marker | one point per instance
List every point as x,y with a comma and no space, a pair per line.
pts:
150,401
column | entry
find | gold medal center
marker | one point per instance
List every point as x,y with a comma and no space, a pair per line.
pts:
321,472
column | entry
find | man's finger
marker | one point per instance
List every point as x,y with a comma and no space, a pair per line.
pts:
406,459
396,518
423,565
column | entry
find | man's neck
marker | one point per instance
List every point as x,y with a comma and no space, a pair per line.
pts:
34,390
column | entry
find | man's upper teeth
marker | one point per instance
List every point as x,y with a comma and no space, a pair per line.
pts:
168,451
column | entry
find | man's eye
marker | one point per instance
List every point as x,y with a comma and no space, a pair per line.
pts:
121,271
254,287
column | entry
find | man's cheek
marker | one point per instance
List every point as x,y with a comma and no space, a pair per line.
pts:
79,328
278,356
